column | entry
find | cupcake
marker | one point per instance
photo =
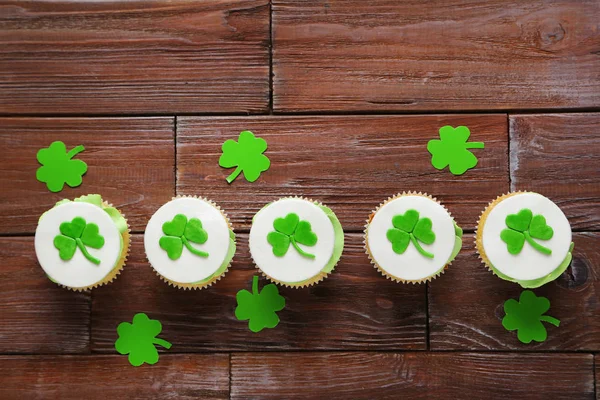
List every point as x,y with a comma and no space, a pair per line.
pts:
83,243
523,237
296,242
411,237
189,242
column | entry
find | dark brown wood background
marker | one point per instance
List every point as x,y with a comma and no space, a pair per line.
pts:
347,94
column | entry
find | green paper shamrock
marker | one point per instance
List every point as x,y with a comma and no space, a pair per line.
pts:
526,316
58,167
524,226
259,307
409,227
291,230
139,339
246,155
180,232
78,233
452,150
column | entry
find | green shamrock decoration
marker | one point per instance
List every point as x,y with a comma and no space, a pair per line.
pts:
139,339
409,227
78,233
524,226
526,316
58,167
246,155
452,150
291,230
259,307
180,232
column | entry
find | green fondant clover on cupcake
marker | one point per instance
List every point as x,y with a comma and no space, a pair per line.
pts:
524,226
291,230
180,232
78,233
408,227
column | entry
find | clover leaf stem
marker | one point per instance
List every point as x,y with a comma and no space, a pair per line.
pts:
162,342
418,246
550,320
234,175
192,249
74,151
302,252
536,245
255,285
85,252
474,145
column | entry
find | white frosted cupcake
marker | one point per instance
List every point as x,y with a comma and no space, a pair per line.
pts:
523,237
82,244
189,242
296,242
411,237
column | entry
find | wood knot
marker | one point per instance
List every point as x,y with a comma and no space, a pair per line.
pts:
576,275
551,33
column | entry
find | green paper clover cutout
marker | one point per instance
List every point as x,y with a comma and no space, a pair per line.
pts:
246,155
59,168
291,230
524,226
78,233
259,308
408,227
526,316
139,339
452,150
180,232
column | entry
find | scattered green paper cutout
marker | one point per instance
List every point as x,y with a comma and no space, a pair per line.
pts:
408,227
259,308
247,155
526,317
291,230
524,226
78,233
139,339
452,150
59,168
180,232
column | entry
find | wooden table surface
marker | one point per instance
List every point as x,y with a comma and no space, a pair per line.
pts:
347,93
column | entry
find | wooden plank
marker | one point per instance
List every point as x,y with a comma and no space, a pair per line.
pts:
36,315
130,163
558,155
354,308
111,377
466,305
412,375
154,57
350,163
382,55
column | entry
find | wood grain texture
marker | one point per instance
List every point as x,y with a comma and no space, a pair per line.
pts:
350,163
130,163
120,57
412,375
385,55
466,305
111,377
354,308
558,155
37,315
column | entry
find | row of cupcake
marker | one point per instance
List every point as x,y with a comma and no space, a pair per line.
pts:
522,237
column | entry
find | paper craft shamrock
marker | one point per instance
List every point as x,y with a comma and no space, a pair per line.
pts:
409,227
58,167
78,233
259,307
139,339
247,155
452,150
180,232
291,230
526,317
524,226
